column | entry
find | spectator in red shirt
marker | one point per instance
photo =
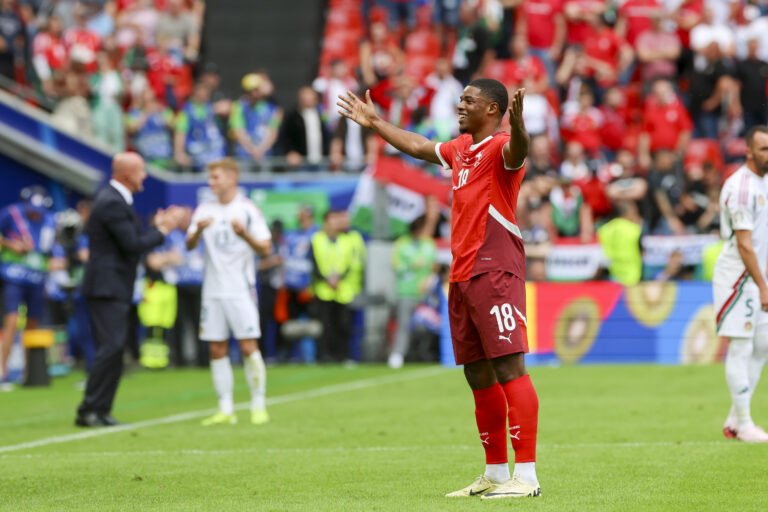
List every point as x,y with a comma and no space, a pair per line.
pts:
542,22
666,123
657,51
634,17
688,14
49,55
399,97
608,54
578,13
582,122
523,67
380,56
82,44
164,69
614,127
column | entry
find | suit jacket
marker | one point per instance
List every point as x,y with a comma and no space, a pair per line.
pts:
116,242
295,134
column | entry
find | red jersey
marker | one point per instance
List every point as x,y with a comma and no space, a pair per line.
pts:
580,31
664,123
638,15
605,46
584,128
687,10
516,71
484,235
540,21
82,45
51,48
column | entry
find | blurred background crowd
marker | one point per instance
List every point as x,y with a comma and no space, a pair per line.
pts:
637,111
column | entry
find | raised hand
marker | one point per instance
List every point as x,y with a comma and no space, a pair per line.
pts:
516,111
353,108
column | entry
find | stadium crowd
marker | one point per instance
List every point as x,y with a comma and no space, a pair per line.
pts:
636,108
642,102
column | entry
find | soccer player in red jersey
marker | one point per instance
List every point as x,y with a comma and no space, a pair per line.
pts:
487,290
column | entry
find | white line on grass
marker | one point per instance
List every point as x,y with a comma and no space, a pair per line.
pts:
175,418
360,449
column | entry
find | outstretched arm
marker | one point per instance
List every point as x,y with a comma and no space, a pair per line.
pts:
364,114
517,149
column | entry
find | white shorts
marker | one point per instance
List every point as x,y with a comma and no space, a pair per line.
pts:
737,306
219,317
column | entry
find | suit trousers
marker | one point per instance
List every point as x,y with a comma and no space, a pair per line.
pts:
109,324
333,345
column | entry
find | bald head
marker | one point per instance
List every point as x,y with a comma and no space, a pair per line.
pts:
128,169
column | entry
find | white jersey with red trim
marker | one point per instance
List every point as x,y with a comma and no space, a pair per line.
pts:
230,263
743,206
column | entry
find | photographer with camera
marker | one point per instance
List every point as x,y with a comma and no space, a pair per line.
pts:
63,287
28,232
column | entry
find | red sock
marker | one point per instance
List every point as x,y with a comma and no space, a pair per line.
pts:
491,416
523,417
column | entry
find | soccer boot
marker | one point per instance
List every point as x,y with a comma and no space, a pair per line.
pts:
753,434
730,428
513,488
219,419
259,416
480,486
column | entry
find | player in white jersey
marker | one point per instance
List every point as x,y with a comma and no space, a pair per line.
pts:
232,229
739,283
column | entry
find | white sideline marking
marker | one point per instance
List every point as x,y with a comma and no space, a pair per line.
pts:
175,418
360,449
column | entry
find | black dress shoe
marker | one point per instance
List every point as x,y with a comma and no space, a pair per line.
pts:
109,420
89,419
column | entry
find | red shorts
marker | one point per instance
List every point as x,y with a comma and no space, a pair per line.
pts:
487,317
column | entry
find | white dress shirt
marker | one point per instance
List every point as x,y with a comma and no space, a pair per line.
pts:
123,191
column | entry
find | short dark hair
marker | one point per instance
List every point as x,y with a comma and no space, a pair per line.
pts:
760,128
494,91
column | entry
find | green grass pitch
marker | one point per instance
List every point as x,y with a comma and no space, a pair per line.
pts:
622,438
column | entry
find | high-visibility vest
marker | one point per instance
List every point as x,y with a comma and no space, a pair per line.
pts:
620,239
354,278
333,257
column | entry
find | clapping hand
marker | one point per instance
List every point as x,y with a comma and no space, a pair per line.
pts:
238,228
204,223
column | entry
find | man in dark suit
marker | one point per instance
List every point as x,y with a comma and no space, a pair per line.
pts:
305,135
116,244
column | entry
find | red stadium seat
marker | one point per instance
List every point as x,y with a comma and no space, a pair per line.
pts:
422,43
497,70
703,150
735,149
342,44
419,67
341,18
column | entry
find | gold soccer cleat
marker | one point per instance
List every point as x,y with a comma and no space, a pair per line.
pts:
513,488
479,487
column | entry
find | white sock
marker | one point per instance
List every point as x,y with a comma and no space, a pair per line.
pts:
737,376
527,472
759,356
256,376
223,383
497,472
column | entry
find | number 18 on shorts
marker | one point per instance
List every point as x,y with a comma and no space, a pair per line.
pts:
487,317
